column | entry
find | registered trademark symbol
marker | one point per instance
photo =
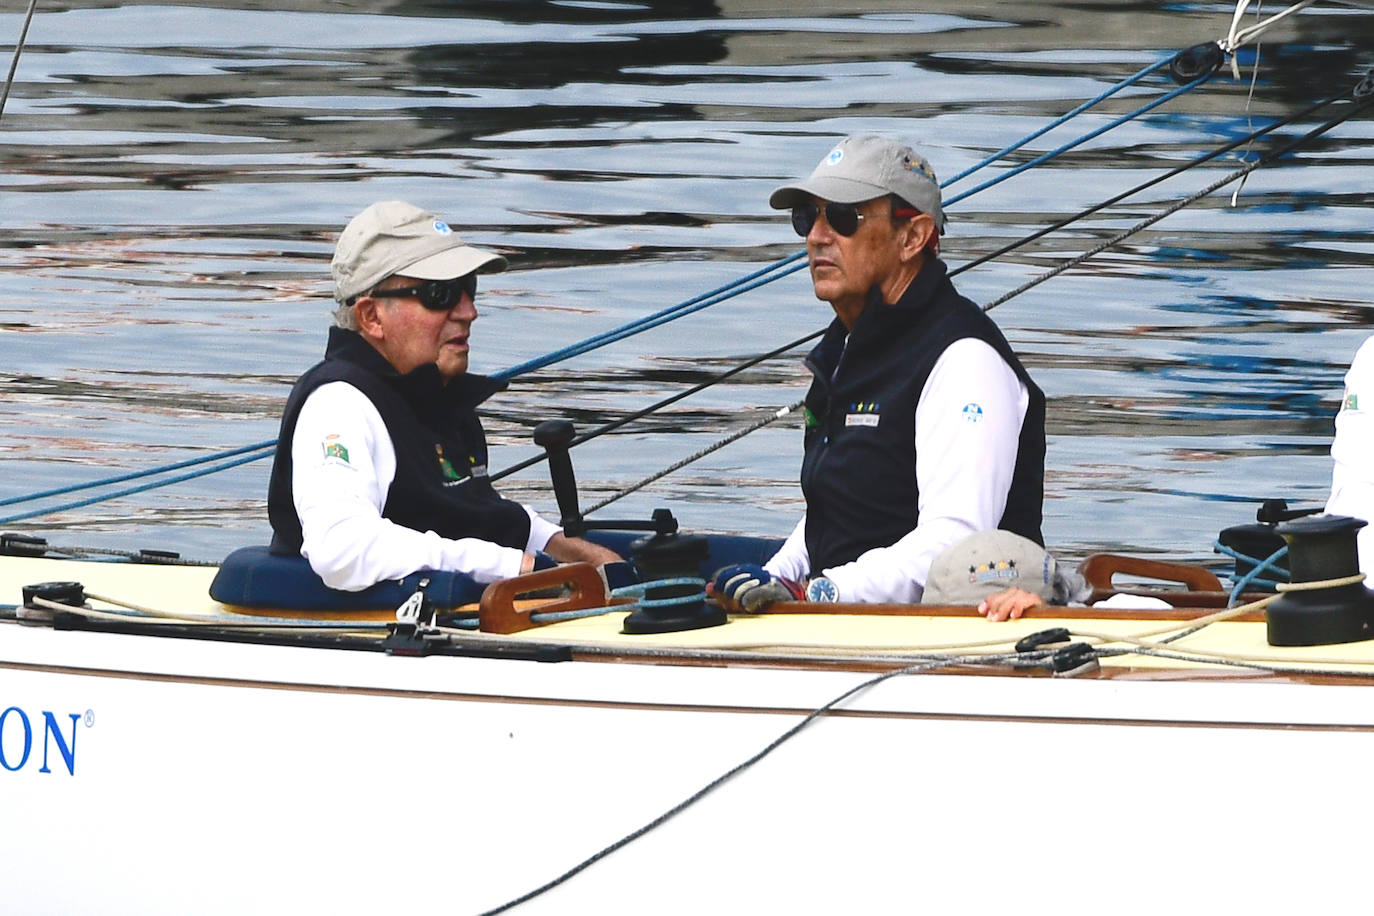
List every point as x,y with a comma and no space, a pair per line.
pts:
90,717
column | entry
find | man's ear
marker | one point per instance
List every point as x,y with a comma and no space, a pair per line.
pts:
920,233
366,309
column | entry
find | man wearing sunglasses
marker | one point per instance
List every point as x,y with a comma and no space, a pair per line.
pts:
922,427
381,464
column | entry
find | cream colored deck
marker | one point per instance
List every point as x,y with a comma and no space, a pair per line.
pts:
183,590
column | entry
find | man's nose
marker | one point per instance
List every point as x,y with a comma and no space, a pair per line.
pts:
465,309
820,230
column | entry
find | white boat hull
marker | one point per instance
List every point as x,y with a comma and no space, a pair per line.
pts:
214,778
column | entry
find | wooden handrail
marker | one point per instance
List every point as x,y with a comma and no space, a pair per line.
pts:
1099,569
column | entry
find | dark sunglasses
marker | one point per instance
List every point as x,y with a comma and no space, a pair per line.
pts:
843,218
435,295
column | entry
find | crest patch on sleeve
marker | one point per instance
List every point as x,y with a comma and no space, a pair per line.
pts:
335,449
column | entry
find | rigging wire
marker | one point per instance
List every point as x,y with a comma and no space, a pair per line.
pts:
18,49
659,405
1058,151
1145,185
1360,103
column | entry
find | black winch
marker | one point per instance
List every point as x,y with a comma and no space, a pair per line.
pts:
1339,608
1251,545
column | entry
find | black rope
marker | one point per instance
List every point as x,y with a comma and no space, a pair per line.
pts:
1363,98
739,768
18,48
659,405
1177,170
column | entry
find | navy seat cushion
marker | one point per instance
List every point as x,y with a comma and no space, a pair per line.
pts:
254,577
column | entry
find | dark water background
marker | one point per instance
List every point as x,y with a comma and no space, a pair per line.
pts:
172,177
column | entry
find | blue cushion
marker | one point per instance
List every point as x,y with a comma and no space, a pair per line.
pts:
254,577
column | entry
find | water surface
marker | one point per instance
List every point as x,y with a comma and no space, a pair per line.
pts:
172,177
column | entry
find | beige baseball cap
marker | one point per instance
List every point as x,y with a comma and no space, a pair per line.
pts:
988,562
394,237
866,166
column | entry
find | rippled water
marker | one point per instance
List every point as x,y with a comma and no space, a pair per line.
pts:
172,177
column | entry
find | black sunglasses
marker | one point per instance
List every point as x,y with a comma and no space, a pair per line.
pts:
843,218
435,295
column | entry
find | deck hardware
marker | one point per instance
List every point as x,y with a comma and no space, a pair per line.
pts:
1074,659
146,555
68,593
1043,638
23,545
1196,62
415,629
1321,548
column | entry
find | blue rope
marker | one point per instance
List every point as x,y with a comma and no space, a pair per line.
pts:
1129,81
130,490
1149,106
267,444
1259,566
778,269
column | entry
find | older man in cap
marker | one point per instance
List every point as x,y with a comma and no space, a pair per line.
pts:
381,464
922,427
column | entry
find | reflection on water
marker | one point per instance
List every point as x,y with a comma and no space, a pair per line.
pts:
173,177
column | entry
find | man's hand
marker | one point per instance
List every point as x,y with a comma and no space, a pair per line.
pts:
1009,604
576,550
752,588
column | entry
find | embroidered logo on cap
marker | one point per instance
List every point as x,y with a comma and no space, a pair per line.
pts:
442,228
916,165
993,570
835,156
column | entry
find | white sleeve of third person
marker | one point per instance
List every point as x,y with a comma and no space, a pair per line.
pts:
342,465
1352,476
968,422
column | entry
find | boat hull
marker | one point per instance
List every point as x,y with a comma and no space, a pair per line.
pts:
218,777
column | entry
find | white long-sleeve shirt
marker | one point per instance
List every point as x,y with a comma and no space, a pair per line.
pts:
1352,477
339,492
964,463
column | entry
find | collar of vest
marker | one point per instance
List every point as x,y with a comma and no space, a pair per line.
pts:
880,319
422,384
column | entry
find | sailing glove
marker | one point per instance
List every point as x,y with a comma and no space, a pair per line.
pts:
752,588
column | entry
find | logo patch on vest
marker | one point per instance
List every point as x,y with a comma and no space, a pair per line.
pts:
1352,401
334,449
863,413
972,412
445,466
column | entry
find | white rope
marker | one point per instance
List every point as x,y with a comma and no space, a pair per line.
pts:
1237,36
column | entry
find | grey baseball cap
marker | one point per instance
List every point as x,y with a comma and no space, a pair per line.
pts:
394,237
866,166
985,563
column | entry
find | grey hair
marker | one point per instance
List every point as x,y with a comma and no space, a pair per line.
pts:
345,317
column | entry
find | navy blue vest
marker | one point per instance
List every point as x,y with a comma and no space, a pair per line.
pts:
438,441
859,475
